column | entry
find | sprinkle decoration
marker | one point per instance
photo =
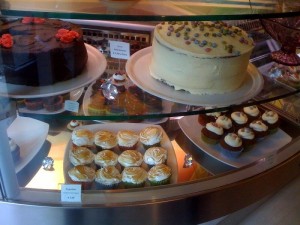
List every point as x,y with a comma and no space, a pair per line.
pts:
66,36
6,41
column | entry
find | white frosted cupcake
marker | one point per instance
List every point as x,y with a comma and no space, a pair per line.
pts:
252,112
239,119
151,136
133,177
130,158
105,139
155,155
73,124
247,135
159,175
127,139
260,128
271,119
226,123
108,178
212,133
106,158
232,145
81,156
83,137
83,175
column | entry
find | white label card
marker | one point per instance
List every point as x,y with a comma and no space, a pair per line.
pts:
70,193
270,160
119,50
72,106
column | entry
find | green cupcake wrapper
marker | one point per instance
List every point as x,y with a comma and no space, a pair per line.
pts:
162,182
132,185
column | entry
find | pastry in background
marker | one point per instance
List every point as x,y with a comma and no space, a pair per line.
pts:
159,175
34,104
232,145
96,106
108,178
127,139
271,119
151,136
73,124
212,133
53,103
119,80
82,175
134,177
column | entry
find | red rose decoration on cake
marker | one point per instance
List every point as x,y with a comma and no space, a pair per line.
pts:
6,41
66,36
35,20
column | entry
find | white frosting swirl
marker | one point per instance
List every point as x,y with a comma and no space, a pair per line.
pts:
151,135
270,117
82,137
159,172
108,176
74,123
106,158
130,158
81,156
127,138
155,155
239,117
233,140
105,139
224,122
246,133
214,114
258,125
119,77
215,128
251,110
135,175
82,173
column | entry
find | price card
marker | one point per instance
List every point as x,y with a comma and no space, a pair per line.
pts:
70,193
72,106
119,50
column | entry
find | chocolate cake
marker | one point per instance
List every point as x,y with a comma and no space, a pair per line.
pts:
39,52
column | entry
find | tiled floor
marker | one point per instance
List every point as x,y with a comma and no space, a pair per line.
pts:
283,208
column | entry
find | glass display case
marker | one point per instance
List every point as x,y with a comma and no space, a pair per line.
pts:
38,121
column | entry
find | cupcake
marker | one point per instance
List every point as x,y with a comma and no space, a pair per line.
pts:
247,135
119,80
159,175
203,119
34,104
53,103
105,139
239,119
127,139
96,107
252,112
130,158
260,129
151,136
155,155
83,137
225,123
212,133
271,119
73,124
108,178
133,177
106,158
83,175
232,145
81,156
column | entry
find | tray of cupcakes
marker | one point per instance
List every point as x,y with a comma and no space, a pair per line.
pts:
116,156
236,138
47,105
128,99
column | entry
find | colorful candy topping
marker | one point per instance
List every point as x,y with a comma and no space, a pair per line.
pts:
6,41
34,20
66,36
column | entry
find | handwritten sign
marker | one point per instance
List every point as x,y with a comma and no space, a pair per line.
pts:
119,50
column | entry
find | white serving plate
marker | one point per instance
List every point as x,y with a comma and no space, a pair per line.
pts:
192,129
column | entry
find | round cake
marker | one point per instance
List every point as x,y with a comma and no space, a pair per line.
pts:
39,52
200,57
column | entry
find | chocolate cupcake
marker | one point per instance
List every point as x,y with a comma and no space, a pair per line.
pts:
239,119
203,119
226,123
34,104
108,178
248,137
82,175
252,112
212,133
106,158
232,145
151,136
130,158
127,139
53,103
83,137
134,177
81,156
271,119
105,139
159,175
260,129
155,155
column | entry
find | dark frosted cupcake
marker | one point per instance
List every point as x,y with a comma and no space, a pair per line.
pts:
271,119
248,137
260,129
232,145
252,112
208,117
134,177
34,104
53,103
82,175
226,123
108,178
159,175
212,133
151,136
239,119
